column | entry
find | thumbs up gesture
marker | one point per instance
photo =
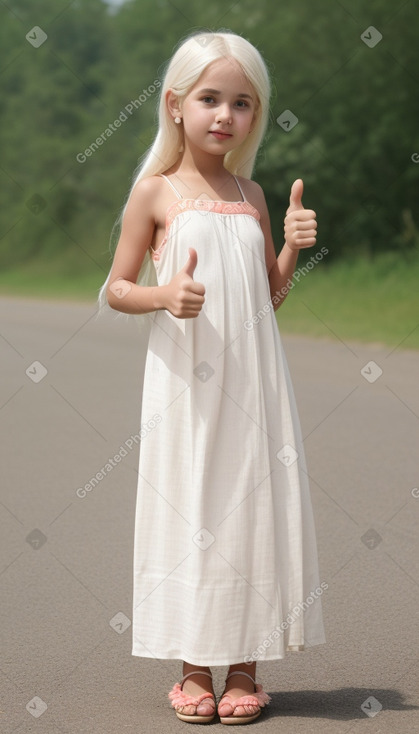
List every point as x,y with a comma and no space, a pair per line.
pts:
300,226
183,296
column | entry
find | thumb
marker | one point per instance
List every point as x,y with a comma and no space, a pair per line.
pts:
191,263
296,195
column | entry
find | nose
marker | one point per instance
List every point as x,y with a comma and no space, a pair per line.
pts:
223,113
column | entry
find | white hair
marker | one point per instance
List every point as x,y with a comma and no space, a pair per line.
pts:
185,67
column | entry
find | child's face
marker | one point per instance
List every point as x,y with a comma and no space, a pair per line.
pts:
221,100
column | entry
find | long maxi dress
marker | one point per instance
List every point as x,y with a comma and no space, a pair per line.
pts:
225,555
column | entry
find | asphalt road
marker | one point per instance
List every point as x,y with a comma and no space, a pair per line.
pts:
70,397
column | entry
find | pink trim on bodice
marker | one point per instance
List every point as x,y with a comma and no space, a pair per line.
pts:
199,205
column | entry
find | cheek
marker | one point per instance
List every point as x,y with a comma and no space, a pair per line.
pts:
197,118
244,121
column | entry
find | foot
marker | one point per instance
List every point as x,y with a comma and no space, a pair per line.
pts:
236,687
195,685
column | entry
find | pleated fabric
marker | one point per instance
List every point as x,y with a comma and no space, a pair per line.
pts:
225,556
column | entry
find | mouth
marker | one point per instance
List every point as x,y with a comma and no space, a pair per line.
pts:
220,135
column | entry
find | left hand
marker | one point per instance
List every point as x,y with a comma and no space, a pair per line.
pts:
300,224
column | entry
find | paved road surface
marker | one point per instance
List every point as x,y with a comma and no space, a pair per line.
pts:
70,398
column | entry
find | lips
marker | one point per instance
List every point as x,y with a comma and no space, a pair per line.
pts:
220,135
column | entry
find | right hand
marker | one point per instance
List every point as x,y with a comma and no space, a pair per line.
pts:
184,297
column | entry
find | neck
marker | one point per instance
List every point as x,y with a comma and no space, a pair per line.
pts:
195,161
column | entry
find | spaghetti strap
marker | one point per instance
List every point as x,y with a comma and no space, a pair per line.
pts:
240,188
170,184
192,480
180,195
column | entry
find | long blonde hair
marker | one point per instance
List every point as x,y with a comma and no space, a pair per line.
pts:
183,71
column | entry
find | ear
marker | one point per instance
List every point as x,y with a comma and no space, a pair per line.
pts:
172,102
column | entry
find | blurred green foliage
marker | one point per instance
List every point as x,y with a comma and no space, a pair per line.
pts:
357,108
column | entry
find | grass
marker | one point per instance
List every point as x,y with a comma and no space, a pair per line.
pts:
361,299
43,281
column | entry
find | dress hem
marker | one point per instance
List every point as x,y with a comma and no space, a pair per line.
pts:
223,661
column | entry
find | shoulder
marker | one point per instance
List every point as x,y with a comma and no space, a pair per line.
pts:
254,194
147,188
146,196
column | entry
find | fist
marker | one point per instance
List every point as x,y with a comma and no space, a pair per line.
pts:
183,296
300,226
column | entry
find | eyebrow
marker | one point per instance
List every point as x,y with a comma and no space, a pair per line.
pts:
217,91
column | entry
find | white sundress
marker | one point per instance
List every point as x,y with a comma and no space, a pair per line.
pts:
225,556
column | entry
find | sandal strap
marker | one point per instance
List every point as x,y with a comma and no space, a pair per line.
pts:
194,672
241,672
258,698
179,698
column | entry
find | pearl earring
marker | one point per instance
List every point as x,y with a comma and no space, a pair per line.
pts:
177,120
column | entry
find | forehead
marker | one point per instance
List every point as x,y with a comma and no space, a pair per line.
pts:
226,75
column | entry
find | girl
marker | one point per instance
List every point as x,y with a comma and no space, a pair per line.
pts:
225,557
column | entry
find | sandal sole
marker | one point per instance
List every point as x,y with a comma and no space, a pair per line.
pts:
195,718
239,719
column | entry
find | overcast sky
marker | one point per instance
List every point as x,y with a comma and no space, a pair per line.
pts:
114,3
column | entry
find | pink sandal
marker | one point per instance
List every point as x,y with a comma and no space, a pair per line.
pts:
180,699
258,698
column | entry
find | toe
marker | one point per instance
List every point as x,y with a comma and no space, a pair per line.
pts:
245,710
225,709
188,710
205,708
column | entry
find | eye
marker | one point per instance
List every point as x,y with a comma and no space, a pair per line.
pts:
204,99
241,101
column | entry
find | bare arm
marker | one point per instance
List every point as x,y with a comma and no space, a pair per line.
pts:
123,293
183,296
300,228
